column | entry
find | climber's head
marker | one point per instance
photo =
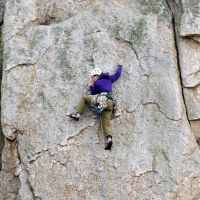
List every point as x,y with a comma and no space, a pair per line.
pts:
95,73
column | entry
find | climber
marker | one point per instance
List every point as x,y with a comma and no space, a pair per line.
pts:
101,99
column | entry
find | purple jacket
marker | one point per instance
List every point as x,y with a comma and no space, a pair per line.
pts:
104,83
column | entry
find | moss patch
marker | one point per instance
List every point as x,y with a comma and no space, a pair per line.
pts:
193,7
150,6
64,57
37,37
138,34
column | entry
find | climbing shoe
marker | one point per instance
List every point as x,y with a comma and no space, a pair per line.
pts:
109,143
115,113
75,116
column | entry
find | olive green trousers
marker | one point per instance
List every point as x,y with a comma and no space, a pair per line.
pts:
105,114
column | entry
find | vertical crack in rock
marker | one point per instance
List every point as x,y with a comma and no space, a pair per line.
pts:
173,7
9,159
10,183
159,109
130,45
120,39
176,9
31,188
1,67
195,125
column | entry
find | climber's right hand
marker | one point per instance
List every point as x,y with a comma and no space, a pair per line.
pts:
121,62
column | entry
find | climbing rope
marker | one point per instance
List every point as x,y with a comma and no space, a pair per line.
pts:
97,164
104,185
105,160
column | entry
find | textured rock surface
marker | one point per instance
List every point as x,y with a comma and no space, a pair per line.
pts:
49,49
190,61
1,51
2,3
1,133
9,184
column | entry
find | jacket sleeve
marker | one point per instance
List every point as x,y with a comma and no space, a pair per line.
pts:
117,74
92,89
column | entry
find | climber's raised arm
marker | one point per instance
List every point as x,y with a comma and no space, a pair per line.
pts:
118,72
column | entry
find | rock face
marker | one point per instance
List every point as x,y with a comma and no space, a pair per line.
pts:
49,49
2,3
190,46
1,50
1,133
9,184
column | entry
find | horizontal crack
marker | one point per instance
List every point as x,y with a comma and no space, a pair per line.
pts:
31,64
61,163
142,174
194,39
78,134
23,29
190,35
154,103
37,155
20,65
195,73
193,120
192,86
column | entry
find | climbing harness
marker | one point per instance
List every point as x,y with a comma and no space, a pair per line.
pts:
100,101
